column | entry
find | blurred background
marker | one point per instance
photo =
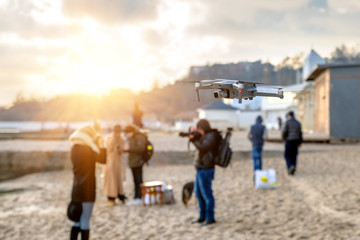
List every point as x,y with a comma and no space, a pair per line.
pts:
67,63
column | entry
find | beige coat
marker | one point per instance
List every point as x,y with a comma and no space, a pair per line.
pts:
114,173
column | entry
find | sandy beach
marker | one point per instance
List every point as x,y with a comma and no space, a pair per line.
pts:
320,202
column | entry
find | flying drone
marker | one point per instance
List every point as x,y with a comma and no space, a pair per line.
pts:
226,88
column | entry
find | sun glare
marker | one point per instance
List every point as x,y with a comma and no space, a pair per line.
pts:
90,79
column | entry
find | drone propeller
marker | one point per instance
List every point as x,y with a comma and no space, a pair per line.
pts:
201,81
237,81
219,80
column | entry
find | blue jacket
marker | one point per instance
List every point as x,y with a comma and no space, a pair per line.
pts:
256,134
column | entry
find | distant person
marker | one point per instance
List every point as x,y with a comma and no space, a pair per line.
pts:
137,116
114,173
206,141
279,122
257,134
87,148
292,135
136,148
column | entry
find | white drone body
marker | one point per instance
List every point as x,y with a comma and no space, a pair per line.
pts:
237,89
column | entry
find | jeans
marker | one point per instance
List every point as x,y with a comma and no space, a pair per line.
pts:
204,194
138,179
87,208
256,154
291,152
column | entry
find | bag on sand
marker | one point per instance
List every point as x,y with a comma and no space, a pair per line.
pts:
168,195
265,179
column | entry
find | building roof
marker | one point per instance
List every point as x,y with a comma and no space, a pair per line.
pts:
218,105
318,69
310,61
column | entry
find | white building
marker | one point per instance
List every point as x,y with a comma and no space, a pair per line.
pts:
222,115
274,109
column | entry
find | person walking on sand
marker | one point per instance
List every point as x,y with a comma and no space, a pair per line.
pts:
87,148
206,141
114,173
136,148
292,135
257,134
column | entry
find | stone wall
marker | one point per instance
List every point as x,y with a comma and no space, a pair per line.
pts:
15,164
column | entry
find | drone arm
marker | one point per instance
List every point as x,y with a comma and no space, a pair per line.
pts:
279,94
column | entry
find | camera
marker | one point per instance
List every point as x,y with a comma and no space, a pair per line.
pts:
186,134
221,94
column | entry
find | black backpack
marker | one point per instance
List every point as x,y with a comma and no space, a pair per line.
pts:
224,151
149,150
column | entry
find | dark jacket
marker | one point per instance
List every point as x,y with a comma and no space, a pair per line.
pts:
292,131
83,159
137,145
207,146
257,131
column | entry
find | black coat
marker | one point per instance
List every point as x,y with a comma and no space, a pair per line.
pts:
137,147
207,146
292,131
83,159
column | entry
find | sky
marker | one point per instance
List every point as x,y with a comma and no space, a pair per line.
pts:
51,47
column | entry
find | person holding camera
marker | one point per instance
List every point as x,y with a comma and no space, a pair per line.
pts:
87,148
206,141
114,172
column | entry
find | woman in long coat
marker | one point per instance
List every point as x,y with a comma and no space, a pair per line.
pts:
86,149
114,173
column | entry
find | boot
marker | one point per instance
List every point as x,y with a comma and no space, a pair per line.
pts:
74,233
122,198
85,234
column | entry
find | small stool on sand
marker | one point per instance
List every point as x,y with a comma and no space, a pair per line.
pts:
151,193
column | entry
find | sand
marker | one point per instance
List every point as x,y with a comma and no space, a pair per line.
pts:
321,202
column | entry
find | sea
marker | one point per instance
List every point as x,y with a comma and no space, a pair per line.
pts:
33,126
21,126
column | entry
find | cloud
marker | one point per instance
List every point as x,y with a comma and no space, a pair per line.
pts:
321,5
262,22
23,60
45,41
112,11
18,18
